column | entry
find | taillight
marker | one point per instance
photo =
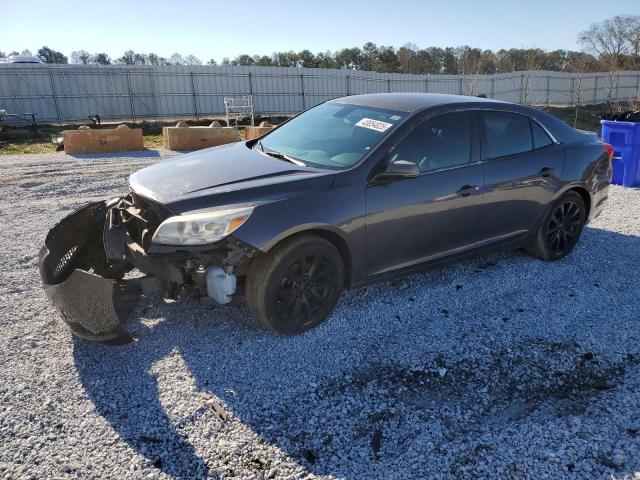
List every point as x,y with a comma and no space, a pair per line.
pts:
608,148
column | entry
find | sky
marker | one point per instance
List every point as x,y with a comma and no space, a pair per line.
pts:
217,29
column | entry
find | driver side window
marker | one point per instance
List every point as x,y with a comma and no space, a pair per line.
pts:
441,142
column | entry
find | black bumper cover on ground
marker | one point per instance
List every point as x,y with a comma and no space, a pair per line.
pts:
77,279
94,307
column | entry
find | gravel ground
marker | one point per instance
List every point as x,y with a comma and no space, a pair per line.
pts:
504,366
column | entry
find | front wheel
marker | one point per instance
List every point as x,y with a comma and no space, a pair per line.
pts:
560,231
295,286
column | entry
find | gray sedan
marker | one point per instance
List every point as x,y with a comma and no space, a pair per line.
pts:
351,191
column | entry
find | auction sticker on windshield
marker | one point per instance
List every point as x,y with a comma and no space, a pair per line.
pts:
376,125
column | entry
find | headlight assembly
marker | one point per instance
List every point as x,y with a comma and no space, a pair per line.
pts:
200,228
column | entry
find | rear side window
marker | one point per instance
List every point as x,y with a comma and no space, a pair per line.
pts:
505,134
441,142
540,137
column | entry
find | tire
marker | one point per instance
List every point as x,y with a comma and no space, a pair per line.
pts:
295,286
560,231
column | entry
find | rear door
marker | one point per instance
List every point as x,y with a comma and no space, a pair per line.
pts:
415,220
522,168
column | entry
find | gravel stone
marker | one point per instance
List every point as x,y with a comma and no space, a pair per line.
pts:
499,367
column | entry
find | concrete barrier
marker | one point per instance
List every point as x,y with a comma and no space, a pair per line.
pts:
184,137
86,140
254,132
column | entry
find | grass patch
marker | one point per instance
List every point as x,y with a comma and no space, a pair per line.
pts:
153,141
16,140
27,146
588,116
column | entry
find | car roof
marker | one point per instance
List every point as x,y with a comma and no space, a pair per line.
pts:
415,102
410,102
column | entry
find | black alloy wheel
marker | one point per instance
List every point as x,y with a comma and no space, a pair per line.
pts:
306,288
560,231
564,227
294,287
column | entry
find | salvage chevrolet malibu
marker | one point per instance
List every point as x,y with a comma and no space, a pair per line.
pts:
351,191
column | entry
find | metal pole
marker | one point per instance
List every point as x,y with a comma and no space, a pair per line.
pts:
195,95
493,87
153,91
348,87
548,89
67,89
14,90
302,91
114,102
252,115
250,100
133,110
595,92
426,85
388,85
55,97
460,85
617,85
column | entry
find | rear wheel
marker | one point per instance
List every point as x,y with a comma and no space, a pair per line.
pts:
561,230
295,286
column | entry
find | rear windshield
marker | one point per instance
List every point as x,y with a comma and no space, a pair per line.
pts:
332,135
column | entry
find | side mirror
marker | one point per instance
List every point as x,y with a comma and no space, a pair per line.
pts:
399,169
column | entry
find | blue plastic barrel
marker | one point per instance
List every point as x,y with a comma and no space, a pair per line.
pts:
625,139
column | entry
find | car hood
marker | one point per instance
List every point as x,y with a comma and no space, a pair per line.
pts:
185,182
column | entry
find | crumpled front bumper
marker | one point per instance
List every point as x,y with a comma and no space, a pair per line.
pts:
86,255
94,307
89,292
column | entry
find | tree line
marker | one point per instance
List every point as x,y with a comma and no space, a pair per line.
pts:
608,45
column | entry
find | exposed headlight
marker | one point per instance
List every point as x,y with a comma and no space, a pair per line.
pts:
200,228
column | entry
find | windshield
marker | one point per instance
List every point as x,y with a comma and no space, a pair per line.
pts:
331,135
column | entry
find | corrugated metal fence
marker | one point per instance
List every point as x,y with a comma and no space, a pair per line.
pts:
68,93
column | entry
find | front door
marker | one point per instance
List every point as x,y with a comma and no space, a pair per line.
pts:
435,215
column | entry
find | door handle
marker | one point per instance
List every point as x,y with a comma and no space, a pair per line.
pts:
467,190
546,172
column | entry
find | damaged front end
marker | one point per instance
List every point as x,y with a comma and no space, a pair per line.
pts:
87,290
86,256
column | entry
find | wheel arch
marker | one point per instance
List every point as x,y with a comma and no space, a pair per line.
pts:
583,192
579,189
328,232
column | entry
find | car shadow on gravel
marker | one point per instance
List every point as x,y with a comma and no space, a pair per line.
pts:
374,406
